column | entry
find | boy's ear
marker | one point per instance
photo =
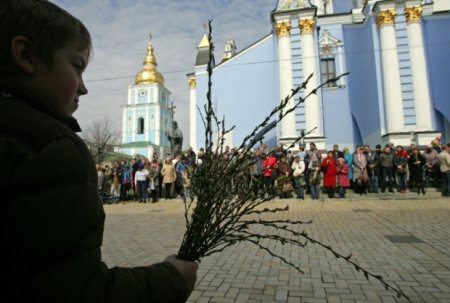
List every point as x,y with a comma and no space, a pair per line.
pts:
22,54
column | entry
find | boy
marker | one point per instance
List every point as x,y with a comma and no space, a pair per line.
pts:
51,219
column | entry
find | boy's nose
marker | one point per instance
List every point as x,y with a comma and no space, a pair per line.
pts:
82,90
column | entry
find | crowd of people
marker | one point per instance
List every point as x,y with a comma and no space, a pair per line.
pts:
147,180
280,172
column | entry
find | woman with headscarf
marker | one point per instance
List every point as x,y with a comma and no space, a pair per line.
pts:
360,176
342,173
314,176
284,178
348,156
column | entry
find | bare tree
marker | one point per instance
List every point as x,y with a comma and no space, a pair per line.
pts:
100,136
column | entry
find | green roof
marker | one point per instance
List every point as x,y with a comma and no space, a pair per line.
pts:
136,144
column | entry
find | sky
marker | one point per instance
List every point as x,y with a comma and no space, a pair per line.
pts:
120,32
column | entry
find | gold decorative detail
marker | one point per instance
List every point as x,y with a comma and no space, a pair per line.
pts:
386,18
204,42
149,74
413,14
327,50
306,26
283,28
192,83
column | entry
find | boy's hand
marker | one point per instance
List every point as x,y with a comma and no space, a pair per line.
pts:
187,269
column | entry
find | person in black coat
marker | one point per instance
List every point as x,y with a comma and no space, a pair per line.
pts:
416,163
52,221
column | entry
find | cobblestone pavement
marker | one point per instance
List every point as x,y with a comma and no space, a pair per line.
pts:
403,237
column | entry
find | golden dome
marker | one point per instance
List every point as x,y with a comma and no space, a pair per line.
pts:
149,74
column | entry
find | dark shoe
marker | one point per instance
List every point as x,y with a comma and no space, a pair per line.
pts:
391,191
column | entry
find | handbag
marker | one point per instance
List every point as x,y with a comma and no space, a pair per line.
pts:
287,186
324,169
363,178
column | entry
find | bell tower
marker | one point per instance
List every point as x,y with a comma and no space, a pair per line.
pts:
148,115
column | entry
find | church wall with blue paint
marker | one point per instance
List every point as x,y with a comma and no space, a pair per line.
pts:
396,91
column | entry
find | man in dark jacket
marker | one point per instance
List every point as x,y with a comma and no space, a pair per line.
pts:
386,163
51,218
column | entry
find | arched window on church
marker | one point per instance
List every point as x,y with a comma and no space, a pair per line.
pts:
140,126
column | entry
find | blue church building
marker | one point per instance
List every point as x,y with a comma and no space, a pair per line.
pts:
395,51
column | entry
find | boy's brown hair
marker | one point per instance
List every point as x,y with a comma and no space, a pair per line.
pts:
47,26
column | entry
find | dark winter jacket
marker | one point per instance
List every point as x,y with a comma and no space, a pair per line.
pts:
51,219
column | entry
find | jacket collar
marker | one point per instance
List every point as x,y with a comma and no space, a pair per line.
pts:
11,91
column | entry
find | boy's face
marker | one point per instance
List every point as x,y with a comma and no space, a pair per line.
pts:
62,84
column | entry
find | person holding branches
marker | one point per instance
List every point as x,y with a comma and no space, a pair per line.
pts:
52,221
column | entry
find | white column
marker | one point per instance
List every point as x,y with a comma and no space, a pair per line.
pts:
393,106
193,113
133,125
158,124
309,57
288,128
422,101
341,81
147,122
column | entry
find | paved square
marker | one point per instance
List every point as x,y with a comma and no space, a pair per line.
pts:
140,234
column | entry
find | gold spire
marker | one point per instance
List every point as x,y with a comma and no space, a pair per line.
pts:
149,74
204,42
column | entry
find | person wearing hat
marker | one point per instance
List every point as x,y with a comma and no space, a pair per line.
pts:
141,182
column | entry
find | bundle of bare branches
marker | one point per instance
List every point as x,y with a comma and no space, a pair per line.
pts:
227,210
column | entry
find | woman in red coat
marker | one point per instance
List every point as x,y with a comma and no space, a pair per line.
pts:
328,167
